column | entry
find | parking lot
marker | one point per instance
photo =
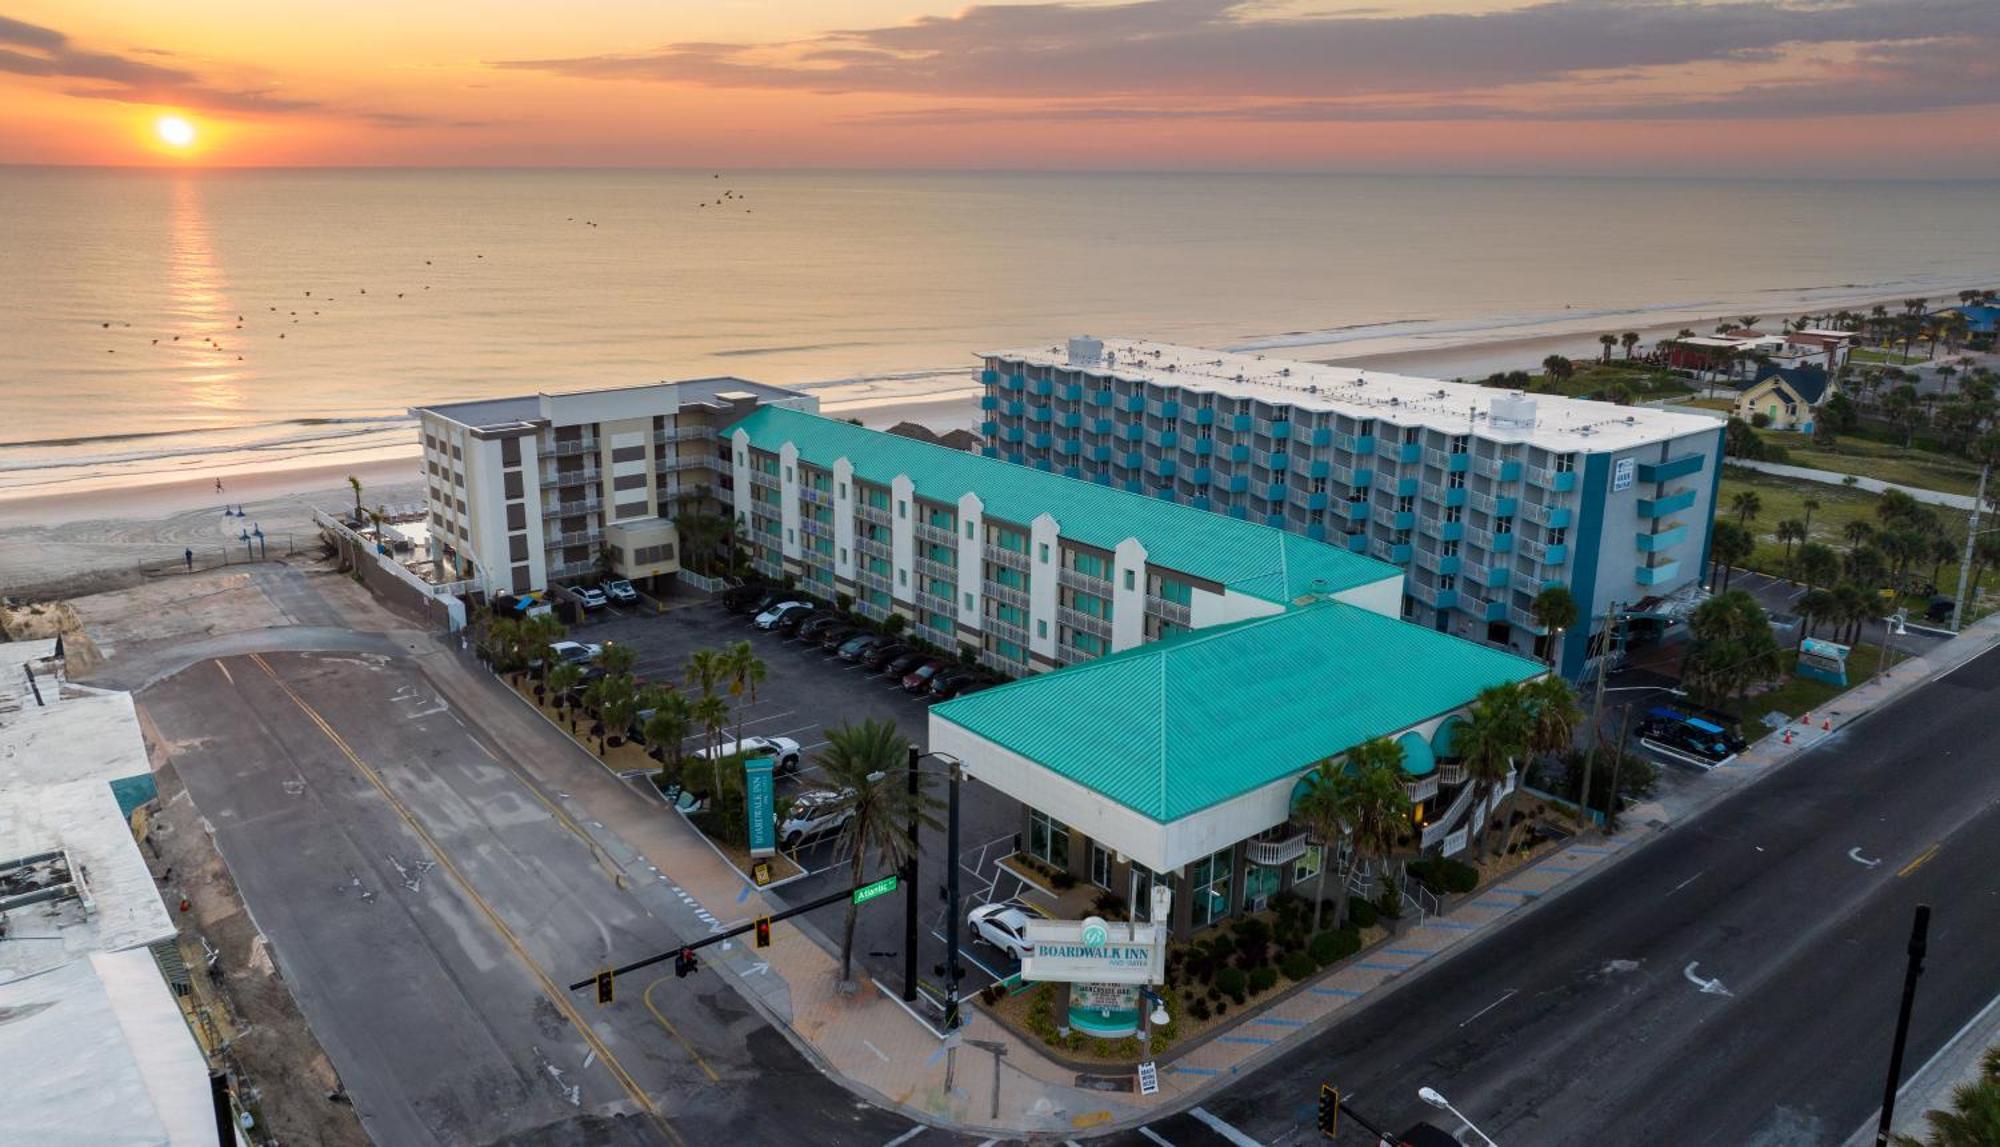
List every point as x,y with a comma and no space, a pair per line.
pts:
807,692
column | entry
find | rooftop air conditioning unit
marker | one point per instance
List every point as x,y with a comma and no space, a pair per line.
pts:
1085,350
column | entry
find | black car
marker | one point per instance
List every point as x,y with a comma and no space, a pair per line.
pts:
793,618
904,663
879,657
837,636
751,599
816,628
949,684
858,647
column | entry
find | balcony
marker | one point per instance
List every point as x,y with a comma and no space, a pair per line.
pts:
1451,774
1442,530
1488,540
1318,436
1561,481
577,476
695,461
1498,469
1525,619
565,449
1355,477
1664,540
1445,495
878,515
1172,612
926,600
1039,414
813,497
1423,789
1312,467
1401,451
814,528
1499,507
1397,553
1280,845
1355,511
1084,622
1666,504
936,535
1672,468
1492,577
1547,555
1546,515
869,579
1309,499
1394,519
1088,583
1438,562
584,537
1657,573
571,569
1005,594
926,568
563,509
1004,630
1449,463
761,480
1405,487
1012,559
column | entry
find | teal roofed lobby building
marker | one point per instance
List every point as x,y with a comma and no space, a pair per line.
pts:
1023,570
1179,761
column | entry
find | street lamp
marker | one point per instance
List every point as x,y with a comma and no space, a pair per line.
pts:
952,923
1430,1095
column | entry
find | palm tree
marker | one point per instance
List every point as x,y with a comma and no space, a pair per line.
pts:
356,484
1816,564
1630,339
1857,532
1745,505
1325,809
1790,530
1378,807
1729,546
746,671
563,678
1497,731
706,669
1553,718
1809,505
1748,321
711,712
866,763
1814,606
1607,341
667,731
617,659
1974,1117
1555,610
1558,367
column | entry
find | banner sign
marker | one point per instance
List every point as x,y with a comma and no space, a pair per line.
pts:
1121,997
760,806
1622,473
1091,951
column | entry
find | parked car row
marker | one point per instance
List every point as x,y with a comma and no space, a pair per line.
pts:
914,670
595,597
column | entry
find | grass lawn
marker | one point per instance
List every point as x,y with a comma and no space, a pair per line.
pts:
1592,379
1784,498
1799,695
1881,356
1922,469
1725,405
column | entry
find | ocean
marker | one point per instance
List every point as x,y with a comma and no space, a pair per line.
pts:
158,324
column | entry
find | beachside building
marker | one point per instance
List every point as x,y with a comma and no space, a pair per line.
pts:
93,1043
1022,569
1786,398
1485,497
1180,762
526,492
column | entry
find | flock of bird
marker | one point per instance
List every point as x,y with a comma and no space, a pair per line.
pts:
729,196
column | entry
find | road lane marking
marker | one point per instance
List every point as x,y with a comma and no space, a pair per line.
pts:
1854,854
876,1050
555,994
647,996
225,672
1919,862
1708,987
906,1136
1487,1008
1689,880
1148,1133
1224,1129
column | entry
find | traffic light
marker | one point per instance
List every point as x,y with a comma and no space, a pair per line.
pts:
1329,1110
764,932
606,988
685,962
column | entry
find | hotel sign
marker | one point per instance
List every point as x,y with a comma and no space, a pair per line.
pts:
1622,473
1091,951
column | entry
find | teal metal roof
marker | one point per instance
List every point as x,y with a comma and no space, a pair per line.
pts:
1173,727
1261,561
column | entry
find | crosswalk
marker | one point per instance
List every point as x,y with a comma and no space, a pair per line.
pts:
1196,1127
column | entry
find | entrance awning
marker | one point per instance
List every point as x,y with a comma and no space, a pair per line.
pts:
1418,760
1441,741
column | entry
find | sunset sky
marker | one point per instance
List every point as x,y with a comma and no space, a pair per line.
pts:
1876,88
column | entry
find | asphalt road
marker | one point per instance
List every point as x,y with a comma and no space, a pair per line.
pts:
1582,1021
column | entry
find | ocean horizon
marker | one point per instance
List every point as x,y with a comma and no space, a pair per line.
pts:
191,321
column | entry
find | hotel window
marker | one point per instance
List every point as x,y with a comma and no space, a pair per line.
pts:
968,601
1208,887
1048,839
1041,629
1088,643
1307,866
902,509
1565,463
1100,866
1142,893
1130,579
1045,553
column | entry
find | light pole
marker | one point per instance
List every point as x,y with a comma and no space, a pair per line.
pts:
1157,1018
1430,1095
951,924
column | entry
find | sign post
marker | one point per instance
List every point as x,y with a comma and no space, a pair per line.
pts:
882,887
760,808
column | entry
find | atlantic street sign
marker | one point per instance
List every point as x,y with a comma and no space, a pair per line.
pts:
867,892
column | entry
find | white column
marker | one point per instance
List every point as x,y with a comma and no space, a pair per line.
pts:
902,537
843,518
1128,606
739,476
971,561
788,499
1044,537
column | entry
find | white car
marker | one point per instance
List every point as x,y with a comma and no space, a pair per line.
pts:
580,652
620,590
816,813
1005,926
784,748
772,616
589,597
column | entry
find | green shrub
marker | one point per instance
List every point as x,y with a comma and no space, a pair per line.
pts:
1263,978
1231,982
1298,966
1361,913
1324,949
1389,904
1252,934
1220,944
1199,1009
1222,1007
1063,881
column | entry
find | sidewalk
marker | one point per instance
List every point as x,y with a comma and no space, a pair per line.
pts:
985,1080
1929,1086
1872,485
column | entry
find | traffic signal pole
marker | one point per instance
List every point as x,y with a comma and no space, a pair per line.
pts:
910,888
727,934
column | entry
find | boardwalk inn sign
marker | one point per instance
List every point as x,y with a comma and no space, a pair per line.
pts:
1105,963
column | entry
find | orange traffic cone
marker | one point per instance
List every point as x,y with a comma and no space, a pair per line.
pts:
185,906
1809,719
1826,725
1788,735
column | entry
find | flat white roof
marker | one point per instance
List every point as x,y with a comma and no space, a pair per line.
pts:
1561,424
649,397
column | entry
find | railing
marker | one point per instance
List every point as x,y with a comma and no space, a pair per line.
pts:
1496,468
814,497
1394,519
1005,594
1560,481
814,528
876,514
696,461
1422,789
764,480
1070,655
1170,611
1478,571
873,580
929,568
925,599
1004,630
1012,559
873,548
993,660
1077,579
936,535
1274,852
571,569
1523,618
570,539
684,433
1453,774
560,509
1084,622
1544,514
1543,552
586,446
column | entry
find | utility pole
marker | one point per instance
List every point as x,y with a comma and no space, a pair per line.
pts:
1617,762
1958,603
910,883
1919,936
952,921
1612,617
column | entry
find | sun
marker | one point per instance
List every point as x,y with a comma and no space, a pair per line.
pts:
174,131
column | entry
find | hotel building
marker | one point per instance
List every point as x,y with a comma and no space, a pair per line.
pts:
1485,497
525,492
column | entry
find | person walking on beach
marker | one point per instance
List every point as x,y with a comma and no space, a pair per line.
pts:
218,485
190,559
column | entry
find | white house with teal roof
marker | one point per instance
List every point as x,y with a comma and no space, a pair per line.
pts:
1024,570
1180,760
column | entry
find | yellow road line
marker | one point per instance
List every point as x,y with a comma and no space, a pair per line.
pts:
647,995
549,988
1923,856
